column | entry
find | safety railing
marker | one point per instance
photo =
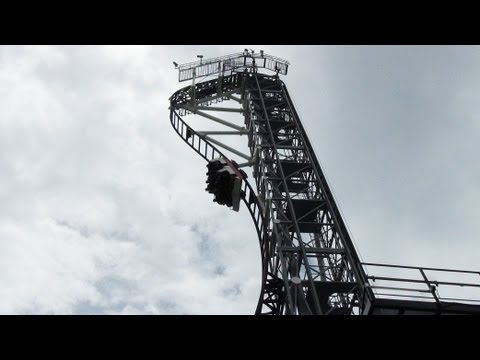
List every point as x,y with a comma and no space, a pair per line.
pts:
424,283
234,62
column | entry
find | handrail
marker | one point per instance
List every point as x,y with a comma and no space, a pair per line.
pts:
431,285
226,57
235,62
421,267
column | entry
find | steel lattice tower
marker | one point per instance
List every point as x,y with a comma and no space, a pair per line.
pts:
309,262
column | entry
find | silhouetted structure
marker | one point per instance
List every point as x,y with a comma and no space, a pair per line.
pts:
309,263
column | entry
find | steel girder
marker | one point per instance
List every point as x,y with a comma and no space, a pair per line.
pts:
309,264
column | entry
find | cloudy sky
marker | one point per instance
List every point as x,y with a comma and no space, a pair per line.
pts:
103,208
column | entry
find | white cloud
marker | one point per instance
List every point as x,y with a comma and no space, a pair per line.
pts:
99,209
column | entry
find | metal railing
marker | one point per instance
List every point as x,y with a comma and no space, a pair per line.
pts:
234,62
424,283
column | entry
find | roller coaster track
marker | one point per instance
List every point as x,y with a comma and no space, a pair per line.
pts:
309,262
209,152
283,252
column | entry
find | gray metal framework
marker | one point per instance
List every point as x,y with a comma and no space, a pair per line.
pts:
309,262
226,65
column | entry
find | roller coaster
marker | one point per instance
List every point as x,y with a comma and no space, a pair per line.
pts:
309,262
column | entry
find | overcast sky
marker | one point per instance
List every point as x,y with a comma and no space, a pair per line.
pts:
103,208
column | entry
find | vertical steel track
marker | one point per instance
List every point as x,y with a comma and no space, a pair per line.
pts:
308,262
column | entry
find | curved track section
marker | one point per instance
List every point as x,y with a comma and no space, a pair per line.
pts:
210,92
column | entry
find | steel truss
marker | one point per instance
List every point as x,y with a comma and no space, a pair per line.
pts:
309,263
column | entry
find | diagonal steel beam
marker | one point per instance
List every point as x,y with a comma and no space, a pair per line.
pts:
211,117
